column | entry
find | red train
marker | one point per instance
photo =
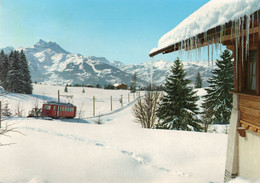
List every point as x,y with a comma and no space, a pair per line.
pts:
58,110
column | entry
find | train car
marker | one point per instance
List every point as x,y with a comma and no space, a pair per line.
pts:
58,110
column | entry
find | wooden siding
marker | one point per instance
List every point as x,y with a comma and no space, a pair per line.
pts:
250,112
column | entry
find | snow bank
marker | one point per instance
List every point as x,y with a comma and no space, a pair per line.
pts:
212,14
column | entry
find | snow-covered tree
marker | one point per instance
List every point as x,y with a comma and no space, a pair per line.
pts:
27,82
218,100
4,68
198,81
15,76
178,108
14,73
66,88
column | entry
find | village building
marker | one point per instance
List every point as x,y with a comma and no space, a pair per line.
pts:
121,86
235,24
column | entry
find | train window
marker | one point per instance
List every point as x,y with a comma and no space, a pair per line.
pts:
47,107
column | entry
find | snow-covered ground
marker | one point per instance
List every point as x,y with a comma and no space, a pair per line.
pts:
118,150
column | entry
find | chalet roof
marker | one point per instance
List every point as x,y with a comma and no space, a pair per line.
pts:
211,15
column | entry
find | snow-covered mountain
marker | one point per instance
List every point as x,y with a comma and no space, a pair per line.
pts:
161,67
50,63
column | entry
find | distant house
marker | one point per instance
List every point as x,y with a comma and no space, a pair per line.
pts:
235,24
121,86
90,86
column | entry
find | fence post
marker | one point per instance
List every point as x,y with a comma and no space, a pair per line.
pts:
121,100
111,102
93,105
128,97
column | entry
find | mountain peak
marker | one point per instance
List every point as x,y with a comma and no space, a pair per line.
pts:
42,45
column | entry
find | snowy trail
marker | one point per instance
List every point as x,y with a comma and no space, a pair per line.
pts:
123,113
141,159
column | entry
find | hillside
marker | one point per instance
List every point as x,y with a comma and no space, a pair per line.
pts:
118,150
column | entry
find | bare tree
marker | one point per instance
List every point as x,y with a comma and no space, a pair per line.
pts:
19,110
6,129
145,109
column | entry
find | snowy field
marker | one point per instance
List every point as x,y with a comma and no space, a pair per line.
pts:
118,150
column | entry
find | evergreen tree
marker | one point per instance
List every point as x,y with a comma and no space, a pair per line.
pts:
218,100
198,81
66,88
2,67
178,108
27,87
14,75
4,72
133,83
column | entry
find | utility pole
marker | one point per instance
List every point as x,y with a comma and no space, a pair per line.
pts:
58,95
111,101
93,105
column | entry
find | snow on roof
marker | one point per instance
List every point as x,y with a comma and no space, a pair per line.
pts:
210,15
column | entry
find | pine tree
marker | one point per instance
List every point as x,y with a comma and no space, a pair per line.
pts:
14,75
27,86
66,88
198,81
2,67
218,100
133,83
178,108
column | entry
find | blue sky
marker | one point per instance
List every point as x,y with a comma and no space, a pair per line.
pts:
123,30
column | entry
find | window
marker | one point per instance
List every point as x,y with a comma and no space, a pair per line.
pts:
252,70
47,107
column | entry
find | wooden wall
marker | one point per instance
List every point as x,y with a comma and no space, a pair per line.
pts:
249,106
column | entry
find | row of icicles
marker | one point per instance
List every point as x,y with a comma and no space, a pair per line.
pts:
192,46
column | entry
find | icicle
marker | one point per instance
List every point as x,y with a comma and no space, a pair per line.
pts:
216,48
224,31
232,30
247,35
208,56
180,50
237,35
196,46
220,36
151,73
188,47
191,45
205,37
242,40
212,51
